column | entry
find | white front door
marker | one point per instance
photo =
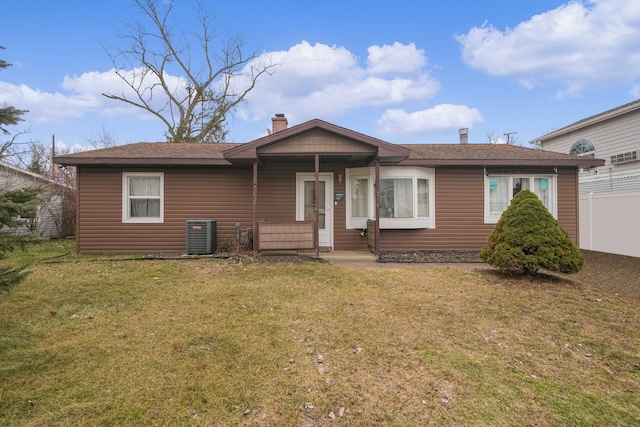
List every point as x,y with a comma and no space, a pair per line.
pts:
305,202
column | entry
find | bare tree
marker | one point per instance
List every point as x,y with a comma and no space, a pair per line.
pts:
62,200
12,148
491,139
105,138
509,138
210,85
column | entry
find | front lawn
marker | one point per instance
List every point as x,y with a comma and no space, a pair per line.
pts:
111,341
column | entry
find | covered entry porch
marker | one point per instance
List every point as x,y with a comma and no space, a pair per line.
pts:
316,155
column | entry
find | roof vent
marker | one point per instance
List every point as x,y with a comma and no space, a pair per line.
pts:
630,156
464,135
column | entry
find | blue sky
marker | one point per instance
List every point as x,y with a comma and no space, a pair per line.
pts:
401,71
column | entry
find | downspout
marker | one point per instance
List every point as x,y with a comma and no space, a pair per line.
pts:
256,238
610,180
377,190
316,209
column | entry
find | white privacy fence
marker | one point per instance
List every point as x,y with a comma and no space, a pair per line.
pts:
610,223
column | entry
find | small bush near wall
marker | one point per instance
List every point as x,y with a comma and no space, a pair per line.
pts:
528,238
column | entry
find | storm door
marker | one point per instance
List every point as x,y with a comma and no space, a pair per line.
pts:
305,202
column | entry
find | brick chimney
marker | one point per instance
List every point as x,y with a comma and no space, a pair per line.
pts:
464,135
278,123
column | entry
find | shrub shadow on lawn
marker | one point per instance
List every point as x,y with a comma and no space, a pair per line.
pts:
539,279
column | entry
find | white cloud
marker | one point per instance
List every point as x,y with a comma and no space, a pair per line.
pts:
45,107
80,96
443,117
398,58
327,81
578,46
635,91
311,81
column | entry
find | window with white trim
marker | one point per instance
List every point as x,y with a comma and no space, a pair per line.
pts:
143,197
406,197
500,189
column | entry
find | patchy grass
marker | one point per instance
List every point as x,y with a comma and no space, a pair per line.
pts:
209,342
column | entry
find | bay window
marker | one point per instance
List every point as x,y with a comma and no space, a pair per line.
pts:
500,189
359,198
406,197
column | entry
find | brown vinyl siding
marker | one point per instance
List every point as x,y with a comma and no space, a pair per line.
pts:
459,207
568,217
221,194
225,194
276,194
459,216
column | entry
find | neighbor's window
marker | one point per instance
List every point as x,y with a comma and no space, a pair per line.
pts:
583,147
406,197
142,197
499,190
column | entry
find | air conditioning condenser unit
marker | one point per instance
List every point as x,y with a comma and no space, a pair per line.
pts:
201,237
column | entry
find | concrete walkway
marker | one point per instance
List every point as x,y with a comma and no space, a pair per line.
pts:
344,256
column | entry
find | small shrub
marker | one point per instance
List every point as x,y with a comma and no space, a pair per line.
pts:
528,238
225,247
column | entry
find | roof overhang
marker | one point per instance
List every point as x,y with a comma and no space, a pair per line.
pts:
575,163
147,161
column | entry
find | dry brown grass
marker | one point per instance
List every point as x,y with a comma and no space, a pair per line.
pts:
203,342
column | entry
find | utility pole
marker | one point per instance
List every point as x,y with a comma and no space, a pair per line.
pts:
508,135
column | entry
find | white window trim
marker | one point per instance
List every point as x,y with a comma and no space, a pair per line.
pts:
553,196
125,198
391,172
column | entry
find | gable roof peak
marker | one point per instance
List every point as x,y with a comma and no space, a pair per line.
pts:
249,150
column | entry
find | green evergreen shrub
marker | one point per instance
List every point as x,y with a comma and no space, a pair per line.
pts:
15,206
528,238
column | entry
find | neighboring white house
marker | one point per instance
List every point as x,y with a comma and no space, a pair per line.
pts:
609,194
49,213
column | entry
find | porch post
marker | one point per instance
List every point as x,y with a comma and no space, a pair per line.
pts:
316,202
377,188
256,240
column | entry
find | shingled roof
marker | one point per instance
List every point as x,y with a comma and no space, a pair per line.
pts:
223,154
490,155
171,153
151,153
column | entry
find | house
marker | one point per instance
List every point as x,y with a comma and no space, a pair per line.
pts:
47,218
610,193
312,186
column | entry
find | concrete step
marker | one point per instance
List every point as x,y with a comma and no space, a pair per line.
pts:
340,256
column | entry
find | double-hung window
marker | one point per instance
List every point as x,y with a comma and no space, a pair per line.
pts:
143,197
500,189
406,197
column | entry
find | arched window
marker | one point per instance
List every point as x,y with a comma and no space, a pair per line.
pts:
583,147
